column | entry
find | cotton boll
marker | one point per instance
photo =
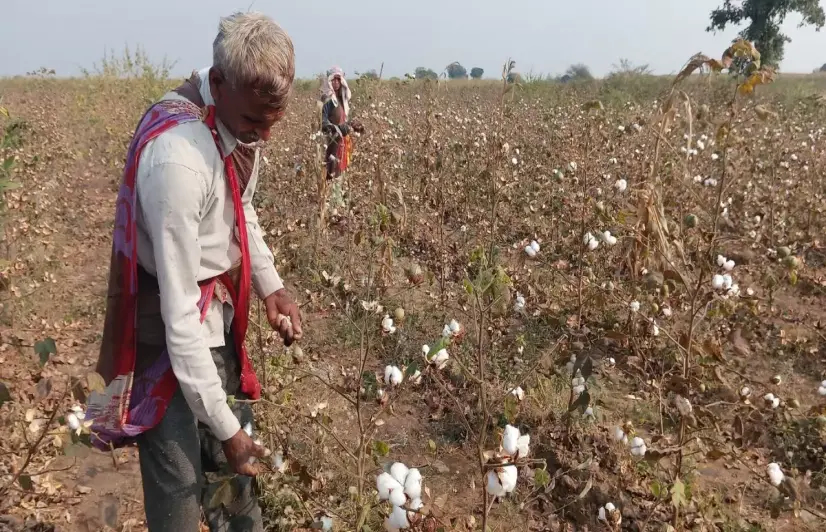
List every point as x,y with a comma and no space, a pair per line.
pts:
387,325
638,447
413,484
593,244
510,440
446,332
610,507
579,389
440,359
519,305
729,265
714,156
508,476
775,474
721,260
455,327
398,518
822,388
78,411
393,375
519,393
717,282
745,391
523,445
399,472
620,436
635,306
621,185
493,485
776,402
385,484
529,251
587,238
534,246
727,281
72,421
601,514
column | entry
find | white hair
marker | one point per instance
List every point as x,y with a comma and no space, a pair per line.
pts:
252,50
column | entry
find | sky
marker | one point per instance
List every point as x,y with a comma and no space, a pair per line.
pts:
542,36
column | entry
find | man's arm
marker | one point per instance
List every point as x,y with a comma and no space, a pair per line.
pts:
170,197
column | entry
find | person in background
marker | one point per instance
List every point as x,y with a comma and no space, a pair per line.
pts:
334,122
187,253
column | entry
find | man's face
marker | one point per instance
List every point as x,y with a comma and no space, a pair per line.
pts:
247,113
336,83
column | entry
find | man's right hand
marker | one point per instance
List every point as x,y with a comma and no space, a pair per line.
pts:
238,450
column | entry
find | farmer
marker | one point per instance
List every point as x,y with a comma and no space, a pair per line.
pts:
187,250
335,95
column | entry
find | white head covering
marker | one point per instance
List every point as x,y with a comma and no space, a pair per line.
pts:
329,94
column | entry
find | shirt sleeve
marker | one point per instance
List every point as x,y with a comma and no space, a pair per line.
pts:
171,196
265,278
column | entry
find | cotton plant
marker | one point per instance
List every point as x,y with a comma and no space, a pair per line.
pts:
393,376
402,488
438,359
771,400
518,393
532,249
453,329
621,185
589,241
610,515
502,479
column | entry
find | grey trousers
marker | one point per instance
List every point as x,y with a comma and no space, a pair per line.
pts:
178,455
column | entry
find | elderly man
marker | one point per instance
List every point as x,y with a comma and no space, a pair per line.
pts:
187,251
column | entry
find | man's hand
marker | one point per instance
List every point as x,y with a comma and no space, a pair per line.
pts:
238,450
283,315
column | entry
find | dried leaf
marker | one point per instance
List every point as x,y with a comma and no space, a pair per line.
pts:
381,448
678,497
43,388
5,394
585,491
95,382
225,494
25,482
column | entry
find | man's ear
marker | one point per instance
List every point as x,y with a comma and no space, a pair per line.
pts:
217,83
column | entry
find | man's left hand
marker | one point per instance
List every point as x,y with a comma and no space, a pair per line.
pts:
283,315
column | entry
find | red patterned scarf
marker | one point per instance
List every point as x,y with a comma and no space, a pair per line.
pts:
135,401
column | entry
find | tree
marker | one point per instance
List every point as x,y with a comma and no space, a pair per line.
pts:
370,74
764,18
456,71
578,72
627,68
476,73
823,68
425,73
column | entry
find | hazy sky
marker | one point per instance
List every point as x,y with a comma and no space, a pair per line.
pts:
541,35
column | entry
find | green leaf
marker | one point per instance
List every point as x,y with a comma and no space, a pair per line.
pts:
541,477
45,349
468,286
431,445
678,494
511,408
25,482
231,400
658,489
411,370
381,448
5,394
95,382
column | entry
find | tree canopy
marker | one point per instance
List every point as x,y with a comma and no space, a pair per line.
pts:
476,73
764,18
455,70
426,73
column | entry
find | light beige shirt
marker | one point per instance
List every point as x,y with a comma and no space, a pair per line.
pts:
186,234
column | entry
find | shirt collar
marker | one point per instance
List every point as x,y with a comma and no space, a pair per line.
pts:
227,139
